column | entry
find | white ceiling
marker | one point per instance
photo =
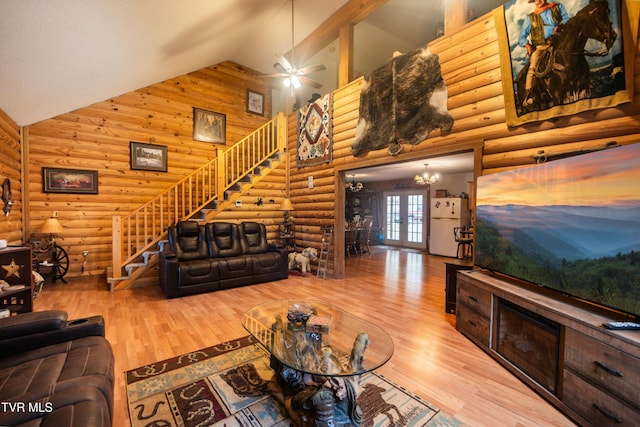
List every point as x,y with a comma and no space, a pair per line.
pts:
60,55
444,165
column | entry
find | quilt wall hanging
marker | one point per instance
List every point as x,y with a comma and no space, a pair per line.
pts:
314,144
402,102
562,58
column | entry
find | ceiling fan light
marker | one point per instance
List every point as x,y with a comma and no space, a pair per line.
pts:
287,82
296,82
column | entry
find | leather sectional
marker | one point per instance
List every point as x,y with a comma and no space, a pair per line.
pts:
218,255
55,372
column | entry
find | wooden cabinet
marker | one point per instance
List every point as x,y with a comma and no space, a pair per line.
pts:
15,271
595,371
473,316
601,382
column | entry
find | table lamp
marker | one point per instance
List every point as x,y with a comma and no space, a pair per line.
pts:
52,227
286,206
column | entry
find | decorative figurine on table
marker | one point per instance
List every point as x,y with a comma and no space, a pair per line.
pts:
318,400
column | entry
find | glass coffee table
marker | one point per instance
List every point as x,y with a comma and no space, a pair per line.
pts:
318,352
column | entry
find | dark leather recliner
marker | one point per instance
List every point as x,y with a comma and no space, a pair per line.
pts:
55,372
218,255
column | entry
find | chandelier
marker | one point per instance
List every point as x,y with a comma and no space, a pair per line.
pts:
425,178
354,186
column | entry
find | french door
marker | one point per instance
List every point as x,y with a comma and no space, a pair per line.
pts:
405,220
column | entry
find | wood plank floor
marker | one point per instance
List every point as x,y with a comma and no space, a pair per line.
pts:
400,290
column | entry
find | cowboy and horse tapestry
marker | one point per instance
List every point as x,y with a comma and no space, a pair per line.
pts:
560,58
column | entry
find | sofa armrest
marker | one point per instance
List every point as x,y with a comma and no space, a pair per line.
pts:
32,323
41,329
167,254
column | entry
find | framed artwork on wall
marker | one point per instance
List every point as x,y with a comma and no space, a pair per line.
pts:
255,102
209,126
56,180
148,157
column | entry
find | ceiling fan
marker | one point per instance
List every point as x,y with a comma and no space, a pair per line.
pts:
294,78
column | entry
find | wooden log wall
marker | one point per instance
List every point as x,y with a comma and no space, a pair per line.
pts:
98,138
470,65
11,167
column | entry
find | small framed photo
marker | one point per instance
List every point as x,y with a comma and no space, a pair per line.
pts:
69,181
148,157
255,102
209,126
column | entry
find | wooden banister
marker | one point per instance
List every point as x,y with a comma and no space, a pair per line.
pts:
137,232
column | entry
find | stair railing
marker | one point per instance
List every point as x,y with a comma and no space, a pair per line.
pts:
137,232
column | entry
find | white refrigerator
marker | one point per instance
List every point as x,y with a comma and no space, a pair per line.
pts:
446,213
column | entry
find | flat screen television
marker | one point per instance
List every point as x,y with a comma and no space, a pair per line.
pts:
571,225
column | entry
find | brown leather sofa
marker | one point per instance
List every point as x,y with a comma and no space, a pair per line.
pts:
55,372
218,255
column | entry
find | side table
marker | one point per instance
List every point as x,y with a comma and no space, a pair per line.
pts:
452,268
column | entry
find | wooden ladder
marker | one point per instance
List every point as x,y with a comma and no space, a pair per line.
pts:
323,256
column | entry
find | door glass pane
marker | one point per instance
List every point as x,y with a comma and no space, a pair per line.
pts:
393,218
415,218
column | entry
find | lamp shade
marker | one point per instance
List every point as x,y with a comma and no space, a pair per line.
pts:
285,205
51,226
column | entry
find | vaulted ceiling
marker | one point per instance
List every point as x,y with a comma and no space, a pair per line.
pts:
60,55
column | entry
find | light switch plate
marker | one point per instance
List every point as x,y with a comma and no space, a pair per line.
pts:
310,179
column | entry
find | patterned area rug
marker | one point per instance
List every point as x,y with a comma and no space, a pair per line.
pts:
226,385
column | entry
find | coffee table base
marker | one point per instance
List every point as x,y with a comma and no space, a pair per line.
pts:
317,401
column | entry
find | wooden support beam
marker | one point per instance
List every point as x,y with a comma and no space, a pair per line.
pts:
345,67
455,15
351,13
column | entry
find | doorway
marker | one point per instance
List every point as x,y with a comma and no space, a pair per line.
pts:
405,214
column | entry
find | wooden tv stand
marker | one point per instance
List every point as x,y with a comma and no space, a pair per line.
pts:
594,374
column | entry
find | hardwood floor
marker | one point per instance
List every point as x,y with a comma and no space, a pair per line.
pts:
400,290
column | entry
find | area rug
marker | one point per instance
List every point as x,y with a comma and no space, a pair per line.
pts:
226,385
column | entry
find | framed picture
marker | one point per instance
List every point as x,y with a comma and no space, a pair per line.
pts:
148,157
69,181
255,102
209,126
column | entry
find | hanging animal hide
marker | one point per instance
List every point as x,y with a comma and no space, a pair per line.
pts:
402,102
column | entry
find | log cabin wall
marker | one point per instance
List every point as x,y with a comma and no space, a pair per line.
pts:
98,138
11,167
470,65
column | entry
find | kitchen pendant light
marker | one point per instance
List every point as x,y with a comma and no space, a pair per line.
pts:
425,178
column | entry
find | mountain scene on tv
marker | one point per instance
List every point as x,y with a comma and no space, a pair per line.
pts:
572,225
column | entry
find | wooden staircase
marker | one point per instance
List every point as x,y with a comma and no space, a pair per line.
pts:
139,236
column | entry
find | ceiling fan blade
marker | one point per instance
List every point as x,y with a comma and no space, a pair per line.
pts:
283,61
274,75
278,66
312,69
307,81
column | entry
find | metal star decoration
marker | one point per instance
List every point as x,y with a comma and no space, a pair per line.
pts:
13,269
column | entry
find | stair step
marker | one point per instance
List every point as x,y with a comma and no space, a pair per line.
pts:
212,205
